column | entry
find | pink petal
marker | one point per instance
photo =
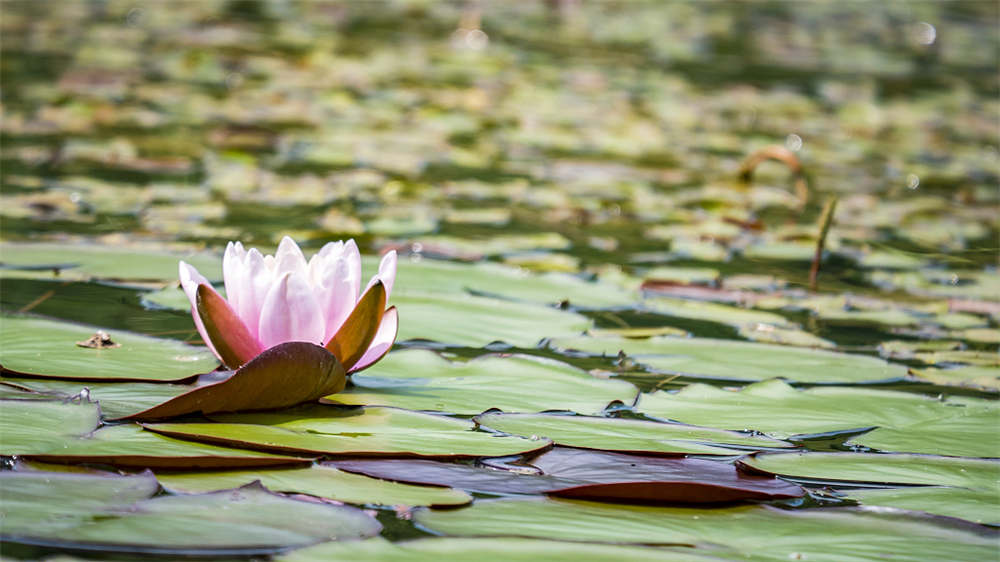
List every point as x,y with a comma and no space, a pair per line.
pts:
353,259
252,286
190,279
232,271
291,312
386,273
384,338
334,292
289,258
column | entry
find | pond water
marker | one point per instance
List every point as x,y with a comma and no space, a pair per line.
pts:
606,212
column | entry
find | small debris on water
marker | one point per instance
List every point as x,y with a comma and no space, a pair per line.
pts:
100,340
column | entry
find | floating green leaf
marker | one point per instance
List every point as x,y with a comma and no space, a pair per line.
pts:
626,435
31,426
365,432
881,469
973,505
100,262
99,512
486,550
476,321
129,446
48,349
422,380
741,361
779,410
320,481
749,531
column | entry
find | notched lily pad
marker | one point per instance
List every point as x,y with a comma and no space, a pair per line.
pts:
740,361
625,435
285,375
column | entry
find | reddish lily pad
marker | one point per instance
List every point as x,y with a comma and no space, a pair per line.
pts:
285,375
596,475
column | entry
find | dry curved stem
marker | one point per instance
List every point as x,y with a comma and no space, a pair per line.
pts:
786,157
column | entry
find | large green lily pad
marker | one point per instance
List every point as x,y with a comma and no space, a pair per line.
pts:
422,380
486,550
99,512
321,481
881,469
31,426
434,276
759,532
973,435
129,446
473,321
626,435
48,349
740,361
972,505
101,262
361,431
781,411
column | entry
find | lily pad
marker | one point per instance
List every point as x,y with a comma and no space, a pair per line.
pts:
320,481
31,426
100,512
476,321
781,411
61,261
615,477
748,531
971,435
129,446
972,505
983,378
422,380
714,312
880,469
506,549
598,475
740,361
33,347
626,435
116,399
361,432
284,375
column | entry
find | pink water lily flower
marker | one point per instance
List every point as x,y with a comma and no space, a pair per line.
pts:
282,298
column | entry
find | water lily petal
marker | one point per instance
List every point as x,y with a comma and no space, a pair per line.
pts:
382,343
289,258
232,271
334,293
230,338
190,280
252,286
291,312
353,338
352,257
387,271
